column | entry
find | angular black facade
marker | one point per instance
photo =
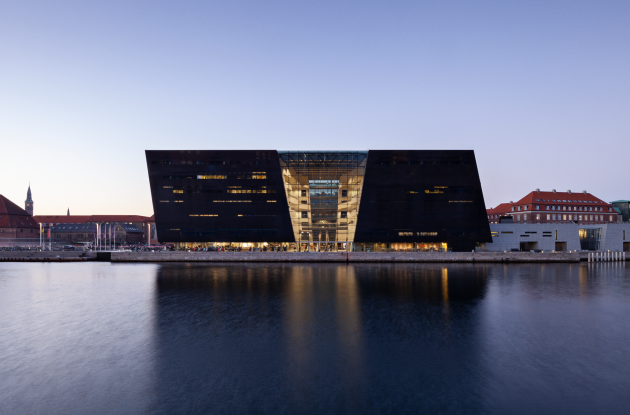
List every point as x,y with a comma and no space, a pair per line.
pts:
405,196
423,196
218,196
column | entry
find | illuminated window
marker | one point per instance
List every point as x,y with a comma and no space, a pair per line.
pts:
168,187
564,217
164,201
203,215
178,191
427,233
178,201
232,201
271,201
537,217
212,176
405,233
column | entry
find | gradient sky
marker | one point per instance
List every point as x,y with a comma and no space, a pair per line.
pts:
539,89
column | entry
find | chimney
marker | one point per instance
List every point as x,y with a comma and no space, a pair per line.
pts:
553,190
537,190
511,201
584,191
569,191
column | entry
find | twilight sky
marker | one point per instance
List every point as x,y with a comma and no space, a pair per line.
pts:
539,89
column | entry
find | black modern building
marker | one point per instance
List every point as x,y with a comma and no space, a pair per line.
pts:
377,200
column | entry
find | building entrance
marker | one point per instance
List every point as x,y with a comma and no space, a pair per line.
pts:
323,190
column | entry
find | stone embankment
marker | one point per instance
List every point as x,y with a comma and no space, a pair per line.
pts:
54,256
513,257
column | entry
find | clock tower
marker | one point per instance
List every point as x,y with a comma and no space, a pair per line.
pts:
28,203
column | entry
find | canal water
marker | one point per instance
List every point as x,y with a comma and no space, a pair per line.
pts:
104,338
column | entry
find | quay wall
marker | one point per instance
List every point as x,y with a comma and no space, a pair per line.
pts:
46,256
514,257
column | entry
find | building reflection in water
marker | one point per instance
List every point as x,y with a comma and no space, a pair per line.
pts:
309,338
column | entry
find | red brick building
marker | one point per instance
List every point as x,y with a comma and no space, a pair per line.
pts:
556,207
16,223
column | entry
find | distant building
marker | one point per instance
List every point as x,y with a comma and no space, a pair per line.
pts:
556,207
558,237
121,233
74,232
17,226
623,208
144,223
28,203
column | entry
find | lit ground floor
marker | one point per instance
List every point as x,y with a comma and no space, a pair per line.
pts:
312,246
558,237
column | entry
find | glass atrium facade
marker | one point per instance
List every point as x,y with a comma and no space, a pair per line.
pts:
323,191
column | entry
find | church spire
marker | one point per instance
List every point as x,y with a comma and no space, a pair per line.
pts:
28,203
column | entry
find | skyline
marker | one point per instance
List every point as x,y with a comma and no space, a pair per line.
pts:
539,91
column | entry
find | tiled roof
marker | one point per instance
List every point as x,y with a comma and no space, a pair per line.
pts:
13,216
557,198
562,198
502,209
131,228
75,227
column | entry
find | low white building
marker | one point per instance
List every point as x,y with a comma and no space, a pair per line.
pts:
558,237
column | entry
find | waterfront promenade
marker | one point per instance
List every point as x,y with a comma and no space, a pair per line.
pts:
314,257
515,257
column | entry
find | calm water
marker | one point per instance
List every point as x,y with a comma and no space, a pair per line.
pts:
99,338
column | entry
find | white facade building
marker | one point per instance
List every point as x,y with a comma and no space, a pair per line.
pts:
558,237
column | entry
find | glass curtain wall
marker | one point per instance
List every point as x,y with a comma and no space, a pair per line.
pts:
323,189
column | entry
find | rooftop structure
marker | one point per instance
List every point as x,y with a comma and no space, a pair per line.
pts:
556,207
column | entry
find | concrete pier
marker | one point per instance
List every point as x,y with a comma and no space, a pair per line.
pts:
513,257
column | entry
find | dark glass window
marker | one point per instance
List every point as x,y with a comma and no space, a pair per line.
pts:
303,193
344,214
305,215
344,193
